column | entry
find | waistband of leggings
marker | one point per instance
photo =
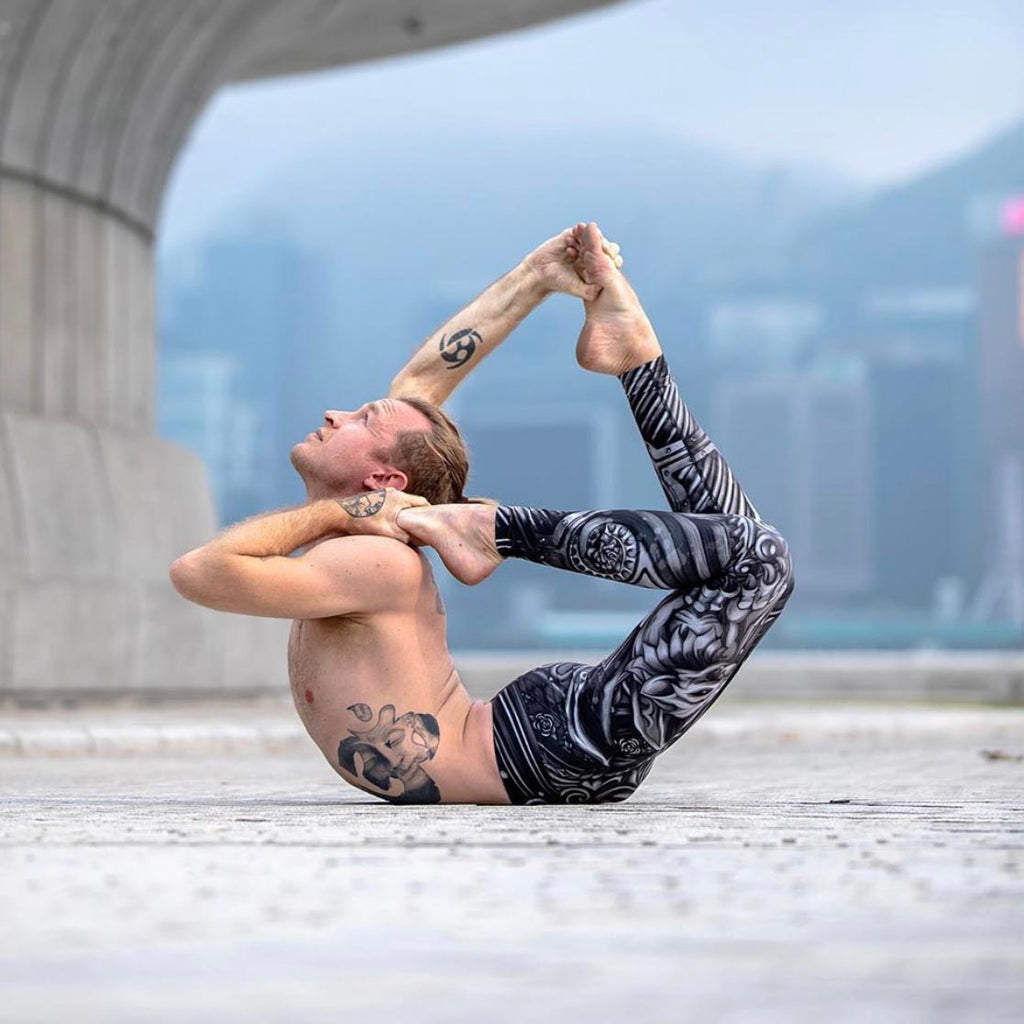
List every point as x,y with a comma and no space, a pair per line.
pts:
516,750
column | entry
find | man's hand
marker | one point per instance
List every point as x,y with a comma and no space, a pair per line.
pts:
376,513
556,266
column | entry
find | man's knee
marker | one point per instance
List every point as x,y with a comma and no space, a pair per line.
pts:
777,566
765,562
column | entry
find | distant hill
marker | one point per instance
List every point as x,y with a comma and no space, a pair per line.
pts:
917,232
469,203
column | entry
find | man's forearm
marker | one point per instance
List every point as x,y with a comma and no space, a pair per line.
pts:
218,565
280,532
452,351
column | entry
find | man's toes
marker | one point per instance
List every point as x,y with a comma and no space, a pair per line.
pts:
597,265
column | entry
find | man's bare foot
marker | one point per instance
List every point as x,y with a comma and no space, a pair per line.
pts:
616,335
463,535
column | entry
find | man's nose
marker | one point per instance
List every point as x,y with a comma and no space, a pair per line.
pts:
332,417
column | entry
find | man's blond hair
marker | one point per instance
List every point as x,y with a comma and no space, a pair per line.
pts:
436,461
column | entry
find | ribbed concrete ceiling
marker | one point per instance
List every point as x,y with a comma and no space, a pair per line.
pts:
97,96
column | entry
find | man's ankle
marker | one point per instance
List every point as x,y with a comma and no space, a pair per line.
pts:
640,354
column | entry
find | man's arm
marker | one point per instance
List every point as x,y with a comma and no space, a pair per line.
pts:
364,567
451,352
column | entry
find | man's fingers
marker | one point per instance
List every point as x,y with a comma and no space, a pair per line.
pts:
613,250
587,292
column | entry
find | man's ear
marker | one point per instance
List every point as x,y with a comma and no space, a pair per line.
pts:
386,478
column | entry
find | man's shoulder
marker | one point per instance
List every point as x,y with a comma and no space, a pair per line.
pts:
373,574
388,553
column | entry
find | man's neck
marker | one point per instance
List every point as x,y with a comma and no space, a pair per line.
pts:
315,492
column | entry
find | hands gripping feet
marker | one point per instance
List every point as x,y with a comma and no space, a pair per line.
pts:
463,536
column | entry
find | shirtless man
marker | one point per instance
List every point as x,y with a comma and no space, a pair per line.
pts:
370,670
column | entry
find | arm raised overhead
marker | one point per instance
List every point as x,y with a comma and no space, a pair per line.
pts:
442,362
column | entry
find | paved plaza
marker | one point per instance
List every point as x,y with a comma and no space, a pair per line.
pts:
784,862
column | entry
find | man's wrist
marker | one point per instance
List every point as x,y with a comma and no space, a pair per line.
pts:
353,512
528,282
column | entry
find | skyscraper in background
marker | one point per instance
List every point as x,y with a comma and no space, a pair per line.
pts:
242,332
798,442
866,389
1001,377
793,422
917,340
204,407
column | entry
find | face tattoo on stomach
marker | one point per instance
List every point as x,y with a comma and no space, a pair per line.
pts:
393,750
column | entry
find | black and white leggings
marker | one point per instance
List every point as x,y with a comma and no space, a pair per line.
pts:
573,733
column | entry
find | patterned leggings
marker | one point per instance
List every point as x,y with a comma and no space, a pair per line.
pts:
573,733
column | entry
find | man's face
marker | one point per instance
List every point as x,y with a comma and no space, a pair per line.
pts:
338,458
410,741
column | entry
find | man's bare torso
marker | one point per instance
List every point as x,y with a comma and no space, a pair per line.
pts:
380,697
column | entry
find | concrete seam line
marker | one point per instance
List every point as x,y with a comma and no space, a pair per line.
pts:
134,224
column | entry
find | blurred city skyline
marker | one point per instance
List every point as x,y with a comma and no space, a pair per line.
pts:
832,337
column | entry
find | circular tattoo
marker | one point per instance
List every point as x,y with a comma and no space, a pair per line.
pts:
459,348
611,548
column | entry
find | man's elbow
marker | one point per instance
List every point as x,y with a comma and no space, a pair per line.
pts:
405,387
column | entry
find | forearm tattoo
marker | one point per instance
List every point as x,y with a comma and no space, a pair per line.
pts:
359,506
390,754
458,349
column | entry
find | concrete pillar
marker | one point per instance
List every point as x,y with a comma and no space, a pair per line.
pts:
96,98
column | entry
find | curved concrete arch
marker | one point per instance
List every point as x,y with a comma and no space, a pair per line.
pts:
76,31
75,102
21,28
105,124
129,92
175,115
96,97
42,59
171,75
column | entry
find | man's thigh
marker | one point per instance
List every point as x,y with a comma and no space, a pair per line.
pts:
678,660
545,751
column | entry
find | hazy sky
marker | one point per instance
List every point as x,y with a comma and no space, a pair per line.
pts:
878,90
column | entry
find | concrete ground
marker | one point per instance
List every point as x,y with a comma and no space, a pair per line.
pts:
784,862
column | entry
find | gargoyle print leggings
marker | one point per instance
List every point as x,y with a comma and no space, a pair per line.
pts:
573,733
